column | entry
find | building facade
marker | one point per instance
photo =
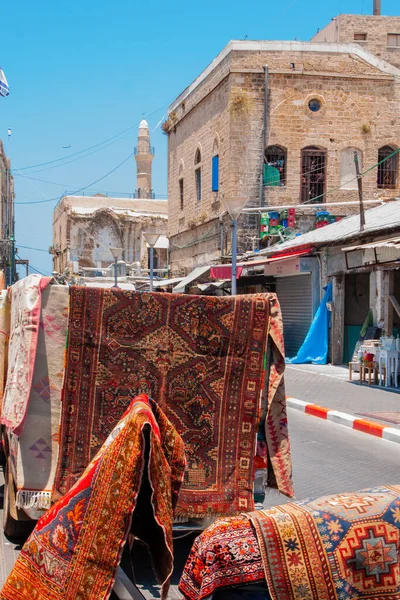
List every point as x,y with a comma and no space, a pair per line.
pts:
7,222
86,227
280,123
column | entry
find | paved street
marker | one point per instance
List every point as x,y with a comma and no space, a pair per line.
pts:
329,386
327,458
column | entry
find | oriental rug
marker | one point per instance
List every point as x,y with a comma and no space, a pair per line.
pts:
25,315
225,554
201,358
131,485
5,317
333,547
37,447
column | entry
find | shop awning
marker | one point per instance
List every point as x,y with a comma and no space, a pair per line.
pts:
167,282
195,274
389,243
212,285
375,253
224,272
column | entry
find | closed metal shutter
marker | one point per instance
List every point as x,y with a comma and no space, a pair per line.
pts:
295,297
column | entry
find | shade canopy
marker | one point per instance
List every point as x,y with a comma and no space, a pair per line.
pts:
235,205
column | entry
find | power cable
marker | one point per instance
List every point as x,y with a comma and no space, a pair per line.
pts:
82,188
70,186
90,147
30,248
350,180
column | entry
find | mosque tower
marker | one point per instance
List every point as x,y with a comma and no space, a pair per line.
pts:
144,154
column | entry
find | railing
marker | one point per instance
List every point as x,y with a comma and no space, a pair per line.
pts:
151,151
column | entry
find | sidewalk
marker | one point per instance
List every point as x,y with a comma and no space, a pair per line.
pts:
346,402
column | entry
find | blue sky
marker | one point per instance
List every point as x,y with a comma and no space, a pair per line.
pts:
81,72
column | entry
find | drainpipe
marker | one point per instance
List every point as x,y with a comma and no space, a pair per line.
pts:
264,133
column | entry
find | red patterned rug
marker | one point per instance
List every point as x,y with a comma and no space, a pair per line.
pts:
131,485
327,548
202,359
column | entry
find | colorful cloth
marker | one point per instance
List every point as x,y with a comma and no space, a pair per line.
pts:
277,433
25,315
200,357
5,317
326,548
225,554
333,547
131,485
37,447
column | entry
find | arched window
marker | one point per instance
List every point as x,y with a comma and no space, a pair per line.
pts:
197,173
215,167
389,169
348,173
274,166
181,189
313,174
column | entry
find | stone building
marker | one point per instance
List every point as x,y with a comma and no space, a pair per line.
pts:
7,262
86,227
279,122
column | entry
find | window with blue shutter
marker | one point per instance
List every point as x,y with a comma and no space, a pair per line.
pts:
215,173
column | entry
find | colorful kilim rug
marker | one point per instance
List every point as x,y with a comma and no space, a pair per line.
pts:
225,554
25,315
333,547
37,447
200,357
5,317
131,485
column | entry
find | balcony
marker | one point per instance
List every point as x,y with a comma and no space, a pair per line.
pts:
151,151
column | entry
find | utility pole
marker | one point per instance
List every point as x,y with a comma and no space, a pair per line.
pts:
360,192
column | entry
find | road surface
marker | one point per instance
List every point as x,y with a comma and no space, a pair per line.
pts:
327,459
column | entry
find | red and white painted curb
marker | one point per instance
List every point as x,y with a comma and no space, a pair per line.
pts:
371,427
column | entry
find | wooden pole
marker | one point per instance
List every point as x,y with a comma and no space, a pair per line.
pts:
360,192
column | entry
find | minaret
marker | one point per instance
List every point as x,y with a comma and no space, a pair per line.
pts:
144,154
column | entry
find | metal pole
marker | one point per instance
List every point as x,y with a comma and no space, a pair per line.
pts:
151,267
360,192
234,252
264,133
115,273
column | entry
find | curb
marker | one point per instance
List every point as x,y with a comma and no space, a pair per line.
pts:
371,427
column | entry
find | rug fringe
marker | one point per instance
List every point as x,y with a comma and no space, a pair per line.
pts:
30,499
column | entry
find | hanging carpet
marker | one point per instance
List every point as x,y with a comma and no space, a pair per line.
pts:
131,485
201,358
35,451
326,548
26,296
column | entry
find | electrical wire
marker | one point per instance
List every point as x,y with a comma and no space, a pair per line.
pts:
30,248
82,188
64,158
70,186
350,180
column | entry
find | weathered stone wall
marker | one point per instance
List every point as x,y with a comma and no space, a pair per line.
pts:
359,105
377,29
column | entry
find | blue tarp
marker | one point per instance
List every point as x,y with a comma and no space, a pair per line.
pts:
315,347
